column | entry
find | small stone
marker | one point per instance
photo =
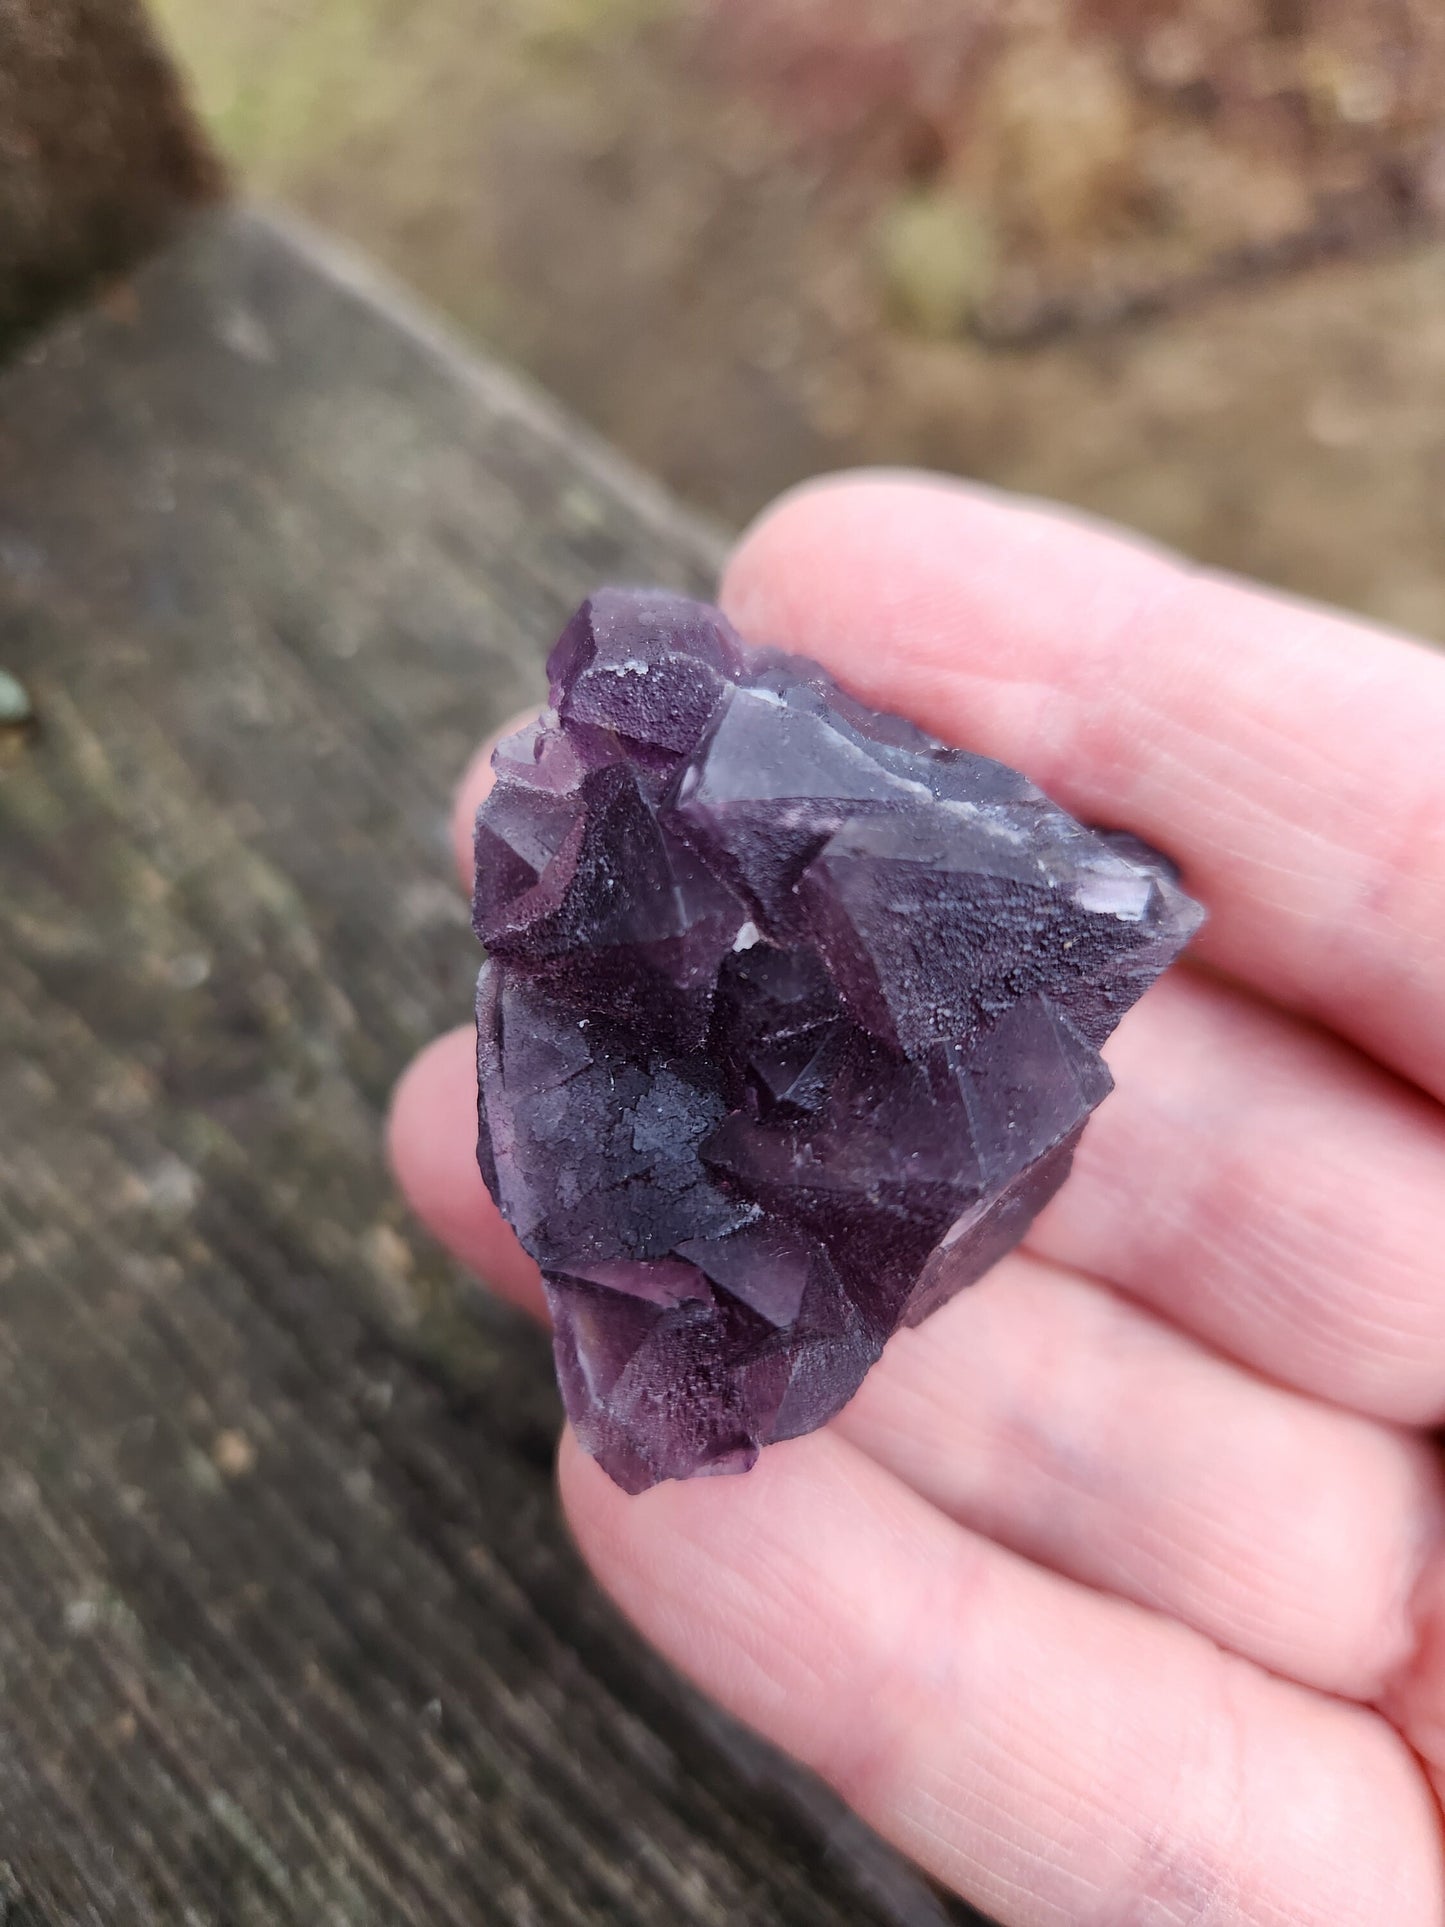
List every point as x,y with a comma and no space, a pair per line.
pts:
234,1454
16,707
788,1029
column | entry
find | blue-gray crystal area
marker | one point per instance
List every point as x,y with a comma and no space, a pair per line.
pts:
789,1024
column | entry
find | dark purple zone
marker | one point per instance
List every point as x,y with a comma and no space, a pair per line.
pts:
788,1028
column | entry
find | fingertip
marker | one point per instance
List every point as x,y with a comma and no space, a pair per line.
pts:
765,578
433,1110
472,792
431,1135
812,539
863,570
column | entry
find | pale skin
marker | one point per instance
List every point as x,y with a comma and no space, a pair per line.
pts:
1117,1595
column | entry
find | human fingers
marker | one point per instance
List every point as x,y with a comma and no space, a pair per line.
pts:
1056,1417
1250,1178
471,792
1273,1191
432,1147
1046,1411
1053,1755
1292,761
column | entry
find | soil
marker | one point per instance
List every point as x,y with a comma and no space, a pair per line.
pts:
746,257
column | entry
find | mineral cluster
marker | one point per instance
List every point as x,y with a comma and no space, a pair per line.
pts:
788,1028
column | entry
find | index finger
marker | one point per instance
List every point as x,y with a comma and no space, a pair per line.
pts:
1292,761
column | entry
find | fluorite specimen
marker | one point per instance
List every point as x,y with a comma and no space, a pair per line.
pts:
789,1024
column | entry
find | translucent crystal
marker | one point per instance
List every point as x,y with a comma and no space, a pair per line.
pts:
788,1028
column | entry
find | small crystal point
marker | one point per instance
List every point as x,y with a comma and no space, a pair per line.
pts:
788,1029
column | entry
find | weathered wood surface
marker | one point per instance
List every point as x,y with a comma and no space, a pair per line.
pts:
289,1629
99,155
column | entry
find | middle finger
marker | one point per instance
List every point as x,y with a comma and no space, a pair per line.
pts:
1052,1415
1262,1185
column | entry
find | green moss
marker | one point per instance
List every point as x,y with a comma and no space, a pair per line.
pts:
571,26
936,255
284,84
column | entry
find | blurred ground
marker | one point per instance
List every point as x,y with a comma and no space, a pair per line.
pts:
1173,260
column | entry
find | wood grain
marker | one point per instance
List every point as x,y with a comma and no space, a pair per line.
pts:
289,1629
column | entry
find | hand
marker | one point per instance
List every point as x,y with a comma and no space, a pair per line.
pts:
1118,1592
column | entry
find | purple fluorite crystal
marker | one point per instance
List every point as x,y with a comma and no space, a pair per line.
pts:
788,1029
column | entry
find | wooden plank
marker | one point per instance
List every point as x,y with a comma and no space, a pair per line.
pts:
289,1629
99,156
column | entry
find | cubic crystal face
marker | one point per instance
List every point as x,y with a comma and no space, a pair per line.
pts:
788,1028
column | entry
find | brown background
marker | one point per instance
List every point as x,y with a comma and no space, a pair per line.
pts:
1174,260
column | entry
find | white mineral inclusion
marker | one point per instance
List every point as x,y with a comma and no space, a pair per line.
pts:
1117,894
